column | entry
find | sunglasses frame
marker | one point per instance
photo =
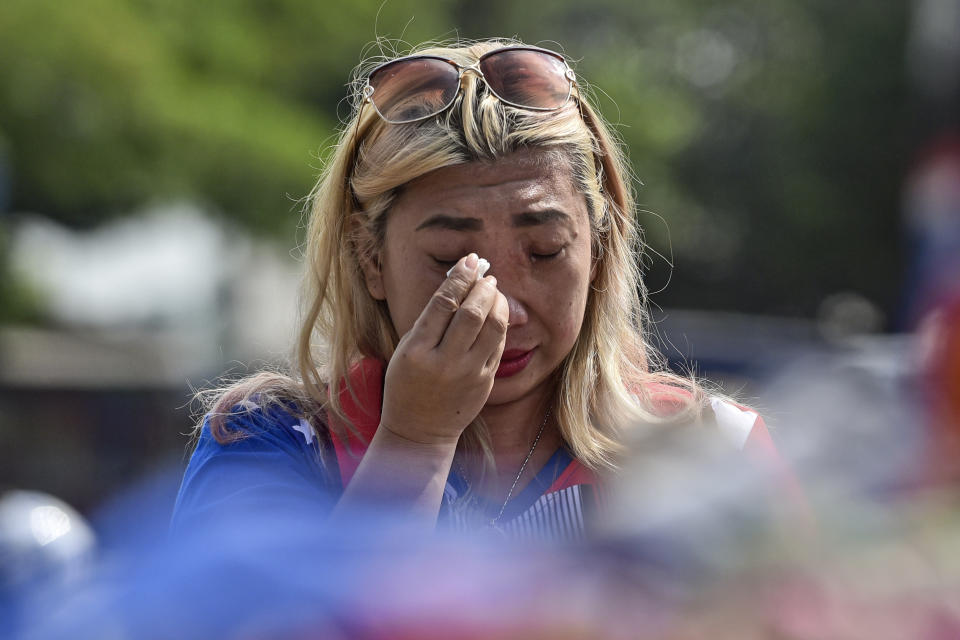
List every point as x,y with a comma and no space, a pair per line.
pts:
568,73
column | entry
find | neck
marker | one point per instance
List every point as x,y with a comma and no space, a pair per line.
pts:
514,426
513,430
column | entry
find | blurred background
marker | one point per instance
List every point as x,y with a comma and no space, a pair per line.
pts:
800,196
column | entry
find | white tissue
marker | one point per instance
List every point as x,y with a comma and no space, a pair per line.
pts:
482,266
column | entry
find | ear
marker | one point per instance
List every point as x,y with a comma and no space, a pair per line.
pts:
373,277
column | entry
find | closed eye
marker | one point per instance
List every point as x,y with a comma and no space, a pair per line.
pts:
445,263
547,256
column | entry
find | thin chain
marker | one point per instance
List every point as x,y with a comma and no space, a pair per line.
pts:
493,523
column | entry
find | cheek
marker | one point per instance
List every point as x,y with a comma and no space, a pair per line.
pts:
572,319
567,329
408,287
565,312
406,299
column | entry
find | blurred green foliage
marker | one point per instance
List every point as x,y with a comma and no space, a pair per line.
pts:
110,103
770,135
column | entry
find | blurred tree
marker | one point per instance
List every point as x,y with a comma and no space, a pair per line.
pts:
768,133
110,103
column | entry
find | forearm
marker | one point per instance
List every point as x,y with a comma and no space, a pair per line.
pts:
404,476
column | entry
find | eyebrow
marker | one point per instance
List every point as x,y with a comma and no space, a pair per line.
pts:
527,219
534,218
453,223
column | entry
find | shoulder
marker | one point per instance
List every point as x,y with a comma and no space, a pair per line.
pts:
277,457
743,428
249,427
275,420
737,423
273,439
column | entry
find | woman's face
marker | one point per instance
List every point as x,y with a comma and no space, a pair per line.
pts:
523,214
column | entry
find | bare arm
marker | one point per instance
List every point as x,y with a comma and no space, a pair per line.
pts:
407,476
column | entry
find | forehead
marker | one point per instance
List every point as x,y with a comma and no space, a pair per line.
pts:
526,181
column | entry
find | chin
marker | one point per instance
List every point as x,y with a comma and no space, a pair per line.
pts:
507,390
501,395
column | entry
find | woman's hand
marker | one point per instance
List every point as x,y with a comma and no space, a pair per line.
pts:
443,369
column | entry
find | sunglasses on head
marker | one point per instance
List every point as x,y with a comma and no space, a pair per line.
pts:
417,87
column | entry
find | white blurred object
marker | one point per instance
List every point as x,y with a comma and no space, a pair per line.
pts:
176,290
706,57
41,537
162,267
849,422
846,315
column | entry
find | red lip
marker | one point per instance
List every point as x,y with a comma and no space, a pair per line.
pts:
513,361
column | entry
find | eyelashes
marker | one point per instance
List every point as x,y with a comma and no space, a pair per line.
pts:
547,256
534,257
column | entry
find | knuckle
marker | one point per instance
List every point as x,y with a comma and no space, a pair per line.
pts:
461,280
457,286
498,323
446,301
472,313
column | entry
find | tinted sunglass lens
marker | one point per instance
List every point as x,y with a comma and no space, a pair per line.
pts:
527,78
413,89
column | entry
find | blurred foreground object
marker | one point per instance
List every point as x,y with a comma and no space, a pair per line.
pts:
932,210
932,221
41,537
940,354
692,560
698,549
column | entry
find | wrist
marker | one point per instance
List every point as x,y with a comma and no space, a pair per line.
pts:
424,441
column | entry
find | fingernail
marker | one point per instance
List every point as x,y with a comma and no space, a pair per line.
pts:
493,280
471,261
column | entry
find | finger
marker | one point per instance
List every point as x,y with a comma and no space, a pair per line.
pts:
446,300
493,336
482,266
469,318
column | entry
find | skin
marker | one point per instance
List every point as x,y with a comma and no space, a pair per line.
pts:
523,214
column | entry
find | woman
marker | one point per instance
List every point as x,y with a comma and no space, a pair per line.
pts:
496,400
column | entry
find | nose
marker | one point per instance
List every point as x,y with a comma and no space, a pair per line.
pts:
510,282
518,314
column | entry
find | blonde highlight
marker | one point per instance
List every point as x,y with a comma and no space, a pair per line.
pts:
603,387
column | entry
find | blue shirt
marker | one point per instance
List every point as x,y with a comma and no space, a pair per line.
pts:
282,465
279,462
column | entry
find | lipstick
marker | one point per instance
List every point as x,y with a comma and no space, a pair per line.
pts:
513,361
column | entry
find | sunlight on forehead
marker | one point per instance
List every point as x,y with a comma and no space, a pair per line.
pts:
527,189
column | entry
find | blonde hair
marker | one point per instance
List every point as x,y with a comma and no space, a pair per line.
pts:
611,379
